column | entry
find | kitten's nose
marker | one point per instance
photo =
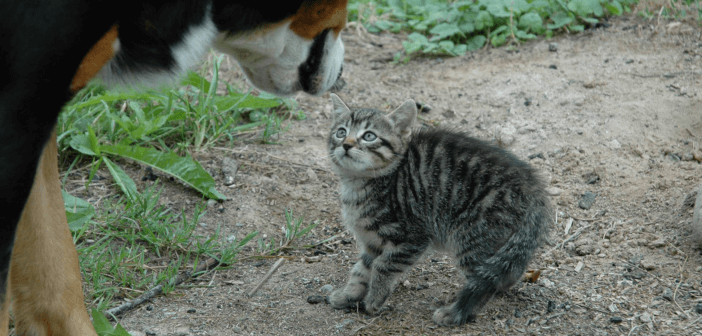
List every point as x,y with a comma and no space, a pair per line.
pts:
347,147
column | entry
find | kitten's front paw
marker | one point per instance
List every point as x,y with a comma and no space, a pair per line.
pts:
450,316
373,304
339,299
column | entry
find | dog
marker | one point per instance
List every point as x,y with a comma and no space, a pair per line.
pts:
51,49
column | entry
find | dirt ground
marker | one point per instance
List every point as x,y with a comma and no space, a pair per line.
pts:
612,112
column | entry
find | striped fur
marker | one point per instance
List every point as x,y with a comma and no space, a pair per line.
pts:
402,193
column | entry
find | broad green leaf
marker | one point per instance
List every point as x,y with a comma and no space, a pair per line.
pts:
476,42
444,30
580,7
104,328
560,19
466,28
499,40
531,22
412,47
196,81
614,7
81,143
186,169
122,179
524,35
497,31
417,37
460,49
577,28
240,101
78,211
383,25
498,10
590,20
483,20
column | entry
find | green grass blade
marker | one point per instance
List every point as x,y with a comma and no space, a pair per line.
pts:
122,179
186,169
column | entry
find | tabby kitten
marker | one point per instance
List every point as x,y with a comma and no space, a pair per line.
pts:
402,193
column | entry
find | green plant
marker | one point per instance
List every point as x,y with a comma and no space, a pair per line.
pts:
293,230
152,128
440,27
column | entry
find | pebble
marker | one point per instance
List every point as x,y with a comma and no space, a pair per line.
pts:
553,46
657,243
668,294
345,323
150,333
136,333
236,329
647,264
315,299
229,166
327,289
698,308
645,317
614,144
587,200
211,203
450,114
191,311
553,191
615,319
579,266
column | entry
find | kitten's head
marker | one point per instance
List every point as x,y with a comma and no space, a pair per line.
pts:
367,142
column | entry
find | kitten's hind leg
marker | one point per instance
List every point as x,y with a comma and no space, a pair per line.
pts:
394,261
356,288
471,298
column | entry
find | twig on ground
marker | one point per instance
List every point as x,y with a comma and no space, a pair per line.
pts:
178,279
693,322
267,276
634,328
573,236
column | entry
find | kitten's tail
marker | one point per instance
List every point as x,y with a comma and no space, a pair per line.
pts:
508,265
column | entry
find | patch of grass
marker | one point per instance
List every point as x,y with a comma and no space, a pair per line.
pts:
293,230
671,9
132,245
440,27
160,129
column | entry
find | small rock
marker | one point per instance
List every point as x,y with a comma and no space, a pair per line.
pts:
553,191
615,319
579,266
315,299
550,307
657,243
553,66
136,333
587,200
211,203
345,323
229,166
236,329
191,311
312,175
613,308
591,178
629,61
667,294
614,144
149,307
647,264
698,308
553,47
645,317
688,157
327,289
584,249
150,333
406,283
517,313
450,114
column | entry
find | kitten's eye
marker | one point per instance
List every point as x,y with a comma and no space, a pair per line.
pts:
341,133
369,136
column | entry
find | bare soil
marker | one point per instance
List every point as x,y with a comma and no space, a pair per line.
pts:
613,111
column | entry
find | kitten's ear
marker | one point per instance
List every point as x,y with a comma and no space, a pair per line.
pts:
403,117
338,106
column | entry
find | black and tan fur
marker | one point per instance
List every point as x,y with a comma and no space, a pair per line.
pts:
404,192
49,49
